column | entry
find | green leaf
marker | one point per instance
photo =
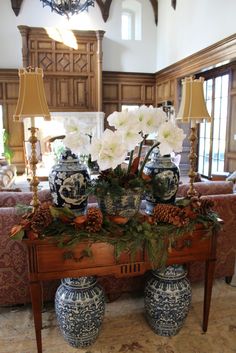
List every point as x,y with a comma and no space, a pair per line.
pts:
19,235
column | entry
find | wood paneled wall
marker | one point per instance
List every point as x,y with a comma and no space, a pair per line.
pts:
127,88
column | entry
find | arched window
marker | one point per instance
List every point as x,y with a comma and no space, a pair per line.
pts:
131,20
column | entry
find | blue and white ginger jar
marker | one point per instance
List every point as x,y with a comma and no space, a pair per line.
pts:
80,307
68,181
167,300
165,180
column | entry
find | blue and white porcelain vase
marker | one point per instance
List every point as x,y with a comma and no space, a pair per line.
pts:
80,307
164,179
68,182
125,205
167,300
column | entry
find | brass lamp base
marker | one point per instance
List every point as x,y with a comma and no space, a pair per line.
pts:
33,166
192,158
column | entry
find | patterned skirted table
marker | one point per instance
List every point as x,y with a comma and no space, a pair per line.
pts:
47,262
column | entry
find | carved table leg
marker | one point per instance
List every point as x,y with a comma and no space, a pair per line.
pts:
36,298
209,276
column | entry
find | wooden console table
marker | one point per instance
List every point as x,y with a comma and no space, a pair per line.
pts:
48,262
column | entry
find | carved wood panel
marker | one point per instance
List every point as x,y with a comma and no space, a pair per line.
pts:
78,72
126,88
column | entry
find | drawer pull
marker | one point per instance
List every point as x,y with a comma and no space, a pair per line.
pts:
69,255
186,243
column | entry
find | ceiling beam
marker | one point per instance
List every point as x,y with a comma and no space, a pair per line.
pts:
105,8
173,4
16,5
155,9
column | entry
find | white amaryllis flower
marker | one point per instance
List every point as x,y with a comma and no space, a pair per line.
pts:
149,119
170,137
95,148
112,152
130,138
71,125
77,142
120,120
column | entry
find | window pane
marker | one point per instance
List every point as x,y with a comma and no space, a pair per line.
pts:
221,166
225,85
218,87
217,108
214,166
126,26
129,107
216,133
222,130
131,20
209,89
224,107
215,149
201,146
208,130
200,164
222,150
206,166
209,107
202,130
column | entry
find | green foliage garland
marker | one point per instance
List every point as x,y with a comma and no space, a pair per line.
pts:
139,233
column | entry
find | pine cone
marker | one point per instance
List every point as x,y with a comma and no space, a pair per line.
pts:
201,206
170,214
94,220
41,218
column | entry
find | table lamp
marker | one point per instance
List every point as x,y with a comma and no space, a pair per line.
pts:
192,110
32,103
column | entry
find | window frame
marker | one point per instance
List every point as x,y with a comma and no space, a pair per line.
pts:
213,74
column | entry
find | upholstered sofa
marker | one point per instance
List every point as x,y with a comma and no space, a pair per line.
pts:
221,193
13,261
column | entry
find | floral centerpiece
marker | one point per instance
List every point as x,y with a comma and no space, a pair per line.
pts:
130,130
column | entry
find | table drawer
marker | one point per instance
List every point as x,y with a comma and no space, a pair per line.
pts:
51,258
190,245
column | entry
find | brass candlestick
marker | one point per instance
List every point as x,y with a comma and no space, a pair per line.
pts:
192,158
33,166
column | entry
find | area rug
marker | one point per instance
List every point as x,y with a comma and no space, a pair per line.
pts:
125,329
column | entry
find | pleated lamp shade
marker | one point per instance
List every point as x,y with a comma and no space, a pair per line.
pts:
193,106
31,101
